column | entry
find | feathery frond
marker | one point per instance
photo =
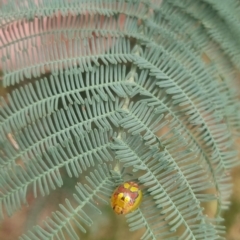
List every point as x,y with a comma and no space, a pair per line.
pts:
150,86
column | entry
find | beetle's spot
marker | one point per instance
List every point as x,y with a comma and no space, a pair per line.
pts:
128,199
123,198
133,189
120,195
126,185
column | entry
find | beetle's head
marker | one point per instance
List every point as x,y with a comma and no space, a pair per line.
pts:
118,209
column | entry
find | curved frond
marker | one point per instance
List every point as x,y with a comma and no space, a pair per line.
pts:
43,172
60,126
173,185
45,96
99,187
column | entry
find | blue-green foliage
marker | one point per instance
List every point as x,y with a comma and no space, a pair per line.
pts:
106,89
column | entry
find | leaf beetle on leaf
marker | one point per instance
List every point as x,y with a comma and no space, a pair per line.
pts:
126,198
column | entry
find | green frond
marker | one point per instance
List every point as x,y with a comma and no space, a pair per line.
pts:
43,171
41,8
161,103
83,54
210,23
141,119
99,187
173,185
62,125
64,88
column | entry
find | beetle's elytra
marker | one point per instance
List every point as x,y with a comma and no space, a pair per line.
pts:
126,198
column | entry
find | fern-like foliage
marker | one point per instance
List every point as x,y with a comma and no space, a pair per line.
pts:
105,91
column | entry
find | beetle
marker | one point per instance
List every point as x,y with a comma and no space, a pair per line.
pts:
126,198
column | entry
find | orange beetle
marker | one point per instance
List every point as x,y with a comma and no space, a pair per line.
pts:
126,198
